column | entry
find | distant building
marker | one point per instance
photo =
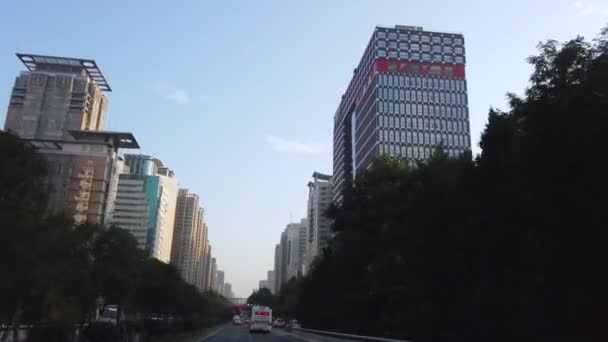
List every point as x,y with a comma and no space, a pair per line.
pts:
407,96
227,291
220,281
190,239
296,245
271,281
278,254
214,275
58,105
207,267
318,229
145,204
263,284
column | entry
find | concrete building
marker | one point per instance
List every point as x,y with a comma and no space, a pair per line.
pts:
190,240
214,275
57,95
407,96
319,226
295,248
271,281
207,267
283,261
227,291
220,281
58,106
277,267
145,204
263,284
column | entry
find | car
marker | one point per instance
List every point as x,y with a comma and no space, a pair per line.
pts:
278,323
293,324
236,320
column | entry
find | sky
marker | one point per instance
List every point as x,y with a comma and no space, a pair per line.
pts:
238,97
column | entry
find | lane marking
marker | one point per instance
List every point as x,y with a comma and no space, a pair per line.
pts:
213,333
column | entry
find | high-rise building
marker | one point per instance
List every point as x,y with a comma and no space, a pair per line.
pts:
220,281
263,284
214,275
145,204
271,281
318,227
227,291
408,95
58,106
201,249
190,241
284,261
277,267
207,267
295,248
57,95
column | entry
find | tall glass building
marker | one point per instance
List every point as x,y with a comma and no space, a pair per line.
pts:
407,96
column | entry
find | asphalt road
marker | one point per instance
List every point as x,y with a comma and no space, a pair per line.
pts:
240,333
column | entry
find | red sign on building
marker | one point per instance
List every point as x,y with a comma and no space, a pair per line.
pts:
420,68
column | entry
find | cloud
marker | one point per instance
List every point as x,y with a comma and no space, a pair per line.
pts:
294,146
172,93
588,8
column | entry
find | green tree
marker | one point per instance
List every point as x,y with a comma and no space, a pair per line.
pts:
262,297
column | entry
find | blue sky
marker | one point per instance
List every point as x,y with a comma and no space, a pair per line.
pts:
237,97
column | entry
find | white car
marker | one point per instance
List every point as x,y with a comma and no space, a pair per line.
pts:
236,320
261,319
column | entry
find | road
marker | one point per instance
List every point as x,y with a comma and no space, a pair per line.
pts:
240,333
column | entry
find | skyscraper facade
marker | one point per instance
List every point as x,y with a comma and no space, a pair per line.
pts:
57,95
407,96
207,267
189,239
318,225
214,275
271,281
220,281
277,267
58,105
145,204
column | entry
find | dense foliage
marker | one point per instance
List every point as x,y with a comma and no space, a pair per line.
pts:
54,271
510,246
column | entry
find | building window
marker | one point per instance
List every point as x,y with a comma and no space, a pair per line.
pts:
426,48
448,58
425,39
437,48
381,35
392,35
436,39
458,41
401,81
419,123
414,47
381,43
416,55
459,59
401,94
447,49
402,36
403,46
426,57
408,109
436,58
392,45
381,53
392,54
447,40
402,108
458,50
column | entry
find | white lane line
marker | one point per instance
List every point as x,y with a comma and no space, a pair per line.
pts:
213,333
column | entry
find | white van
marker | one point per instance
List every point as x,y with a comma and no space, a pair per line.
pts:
261,319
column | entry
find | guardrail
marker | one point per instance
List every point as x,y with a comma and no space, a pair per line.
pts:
348,336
